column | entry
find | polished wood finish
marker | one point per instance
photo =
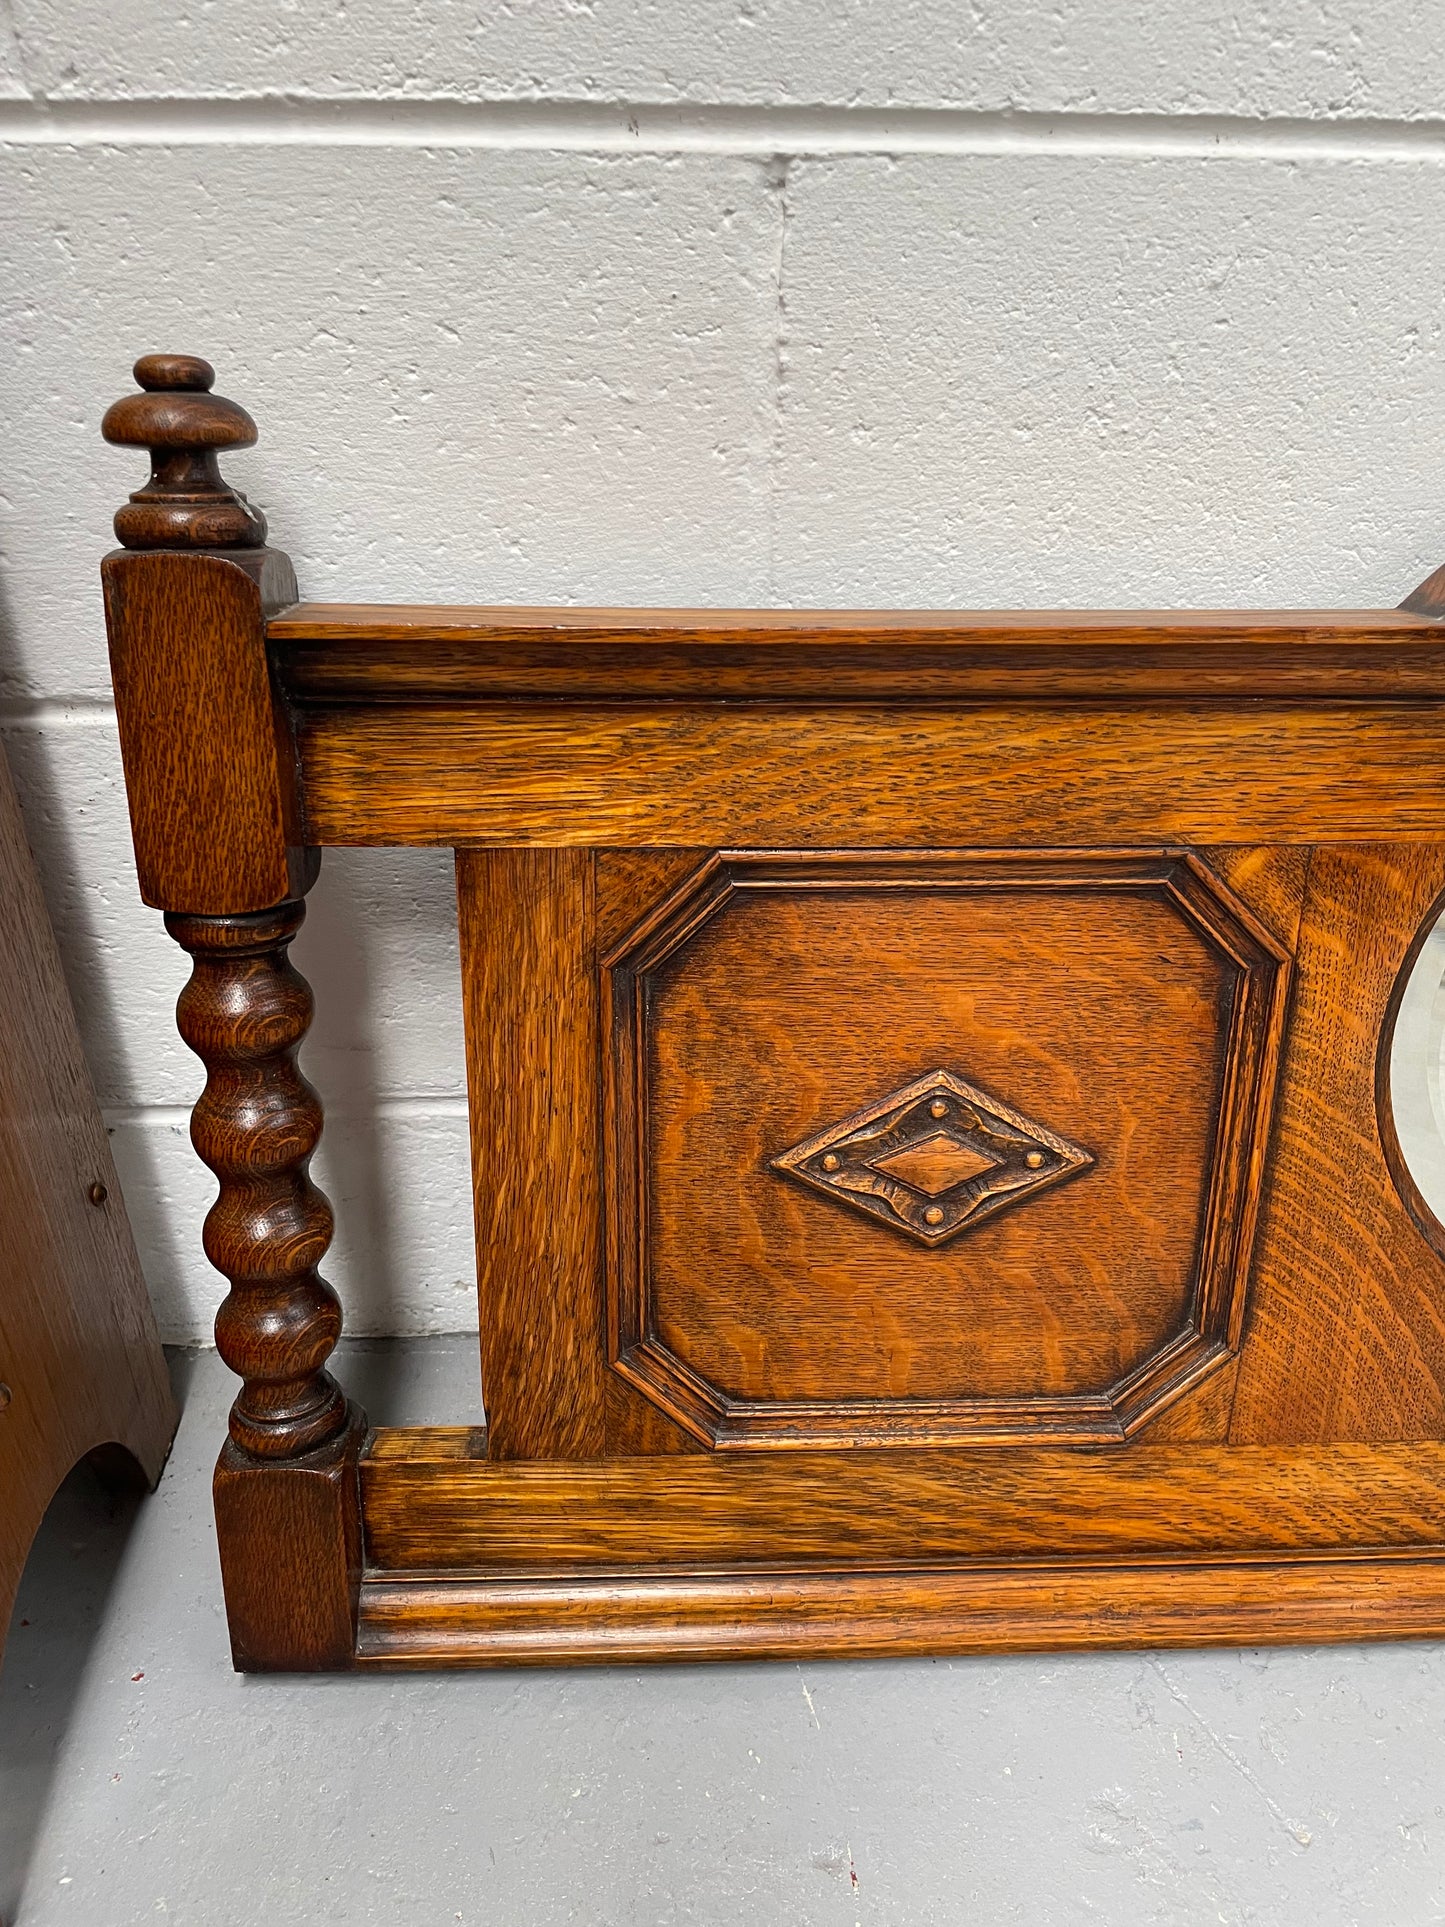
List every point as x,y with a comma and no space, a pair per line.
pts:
186,503
215,814
81,1370
554,1619
289,1534
429,1504
767,995
531,1005
1348,1319
287,1505
935,1181
256,1124
205,739
1429,599
367,653
735,775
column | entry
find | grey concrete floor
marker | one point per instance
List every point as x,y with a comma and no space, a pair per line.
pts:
142,1780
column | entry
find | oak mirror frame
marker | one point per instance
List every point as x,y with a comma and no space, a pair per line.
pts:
935,1175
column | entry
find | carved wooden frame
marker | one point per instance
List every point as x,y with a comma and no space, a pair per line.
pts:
1116,1412
1278,777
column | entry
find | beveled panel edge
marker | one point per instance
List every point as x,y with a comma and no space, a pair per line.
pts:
1249,1078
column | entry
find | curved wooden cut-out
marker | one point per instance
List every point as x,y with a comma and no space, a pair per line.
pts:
1346,1339
127,1464
1397,1157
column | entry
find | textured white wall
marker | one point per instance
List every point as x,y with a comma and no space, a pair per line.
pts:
729,301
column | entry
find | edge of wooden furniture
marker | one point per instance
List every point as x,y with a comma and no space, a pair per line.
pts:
86,1377
361,652
477,1562
490,1620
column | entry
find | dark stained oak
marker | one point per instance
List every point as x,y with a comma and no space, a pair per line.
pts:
289,1534
186,503
933,1165
1429,598
287,1503
256,1124
206,741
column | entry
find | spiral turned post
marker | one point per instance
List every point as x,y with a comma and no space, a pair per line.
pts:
244,1013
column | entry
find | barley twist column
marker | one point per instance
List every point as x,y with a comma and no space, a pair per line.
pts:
244,1013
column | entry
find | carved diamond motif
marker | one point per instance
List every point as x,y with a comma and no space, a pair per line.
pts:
933,1158
936,1163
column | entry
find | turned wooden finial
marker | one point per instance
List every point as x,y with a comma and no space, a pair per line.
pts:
186,504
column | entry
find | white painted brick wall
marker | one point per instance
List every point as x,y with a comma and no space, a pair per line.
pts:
650,301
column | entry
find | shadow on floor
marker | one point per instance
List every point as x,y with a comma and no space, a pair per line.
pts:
59,1611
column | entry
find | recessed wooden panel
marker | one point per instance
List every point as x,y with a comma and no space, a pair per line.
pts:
1123,1005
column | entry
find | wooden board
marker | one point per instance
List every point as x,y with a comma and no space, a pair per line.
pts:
375,653
861,1614
789,777
1347,1333
427,1505
81,1369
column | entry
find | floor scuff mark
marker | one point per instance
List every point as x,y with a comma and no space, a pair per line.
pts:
1300,1834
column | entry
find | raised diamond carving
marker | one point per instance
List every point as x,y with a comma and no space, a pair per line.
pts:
933,1158
936,1163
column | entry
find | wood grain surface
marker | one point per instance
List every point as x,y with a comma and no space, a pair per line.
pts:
209,763
688,773
769,996
1347,1329
857,1615
431,1509
186,503
789,1011
289,1536
378,654
640,1048
256,1124
80,1363
530,1011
